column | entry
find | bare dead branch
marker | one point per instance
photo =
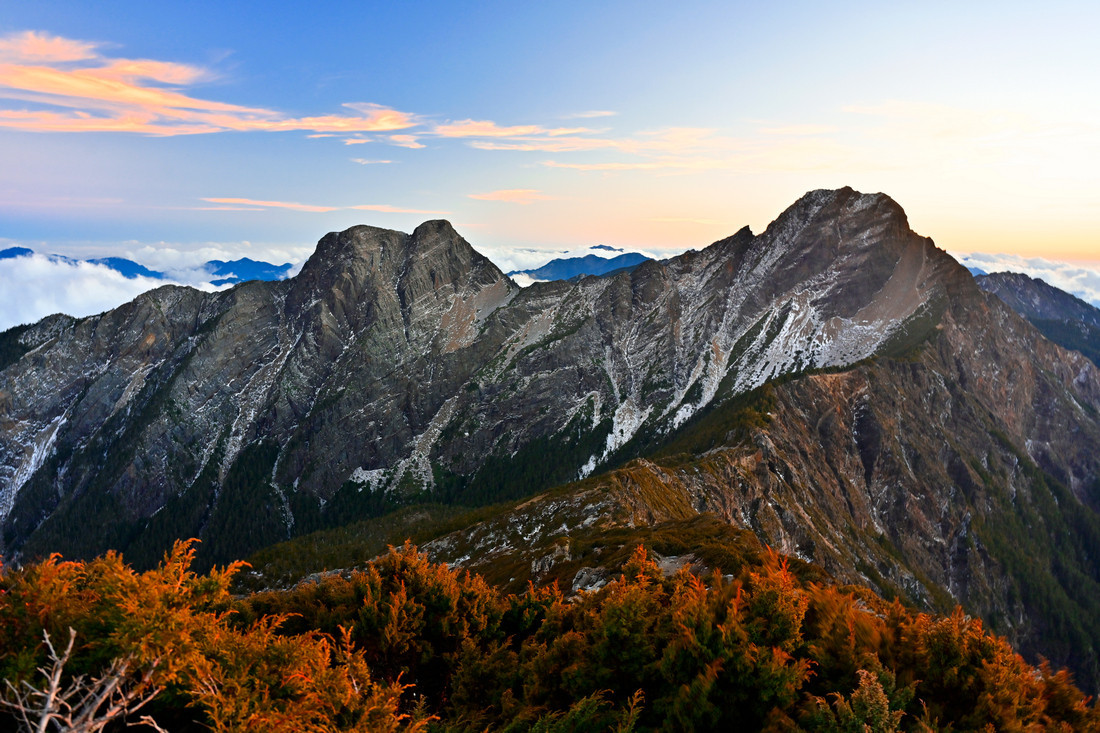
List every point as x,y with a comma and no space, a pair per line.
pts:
84,705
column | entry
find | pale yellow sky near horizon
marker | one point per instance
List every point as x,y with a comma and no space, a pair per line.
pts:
636,125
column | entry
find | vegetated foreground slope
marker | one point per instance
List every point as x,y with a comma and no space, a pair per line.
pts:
400,365
405,645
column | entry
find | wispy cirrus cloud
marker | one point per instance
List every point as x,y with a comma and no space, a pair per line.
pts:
293,206
72,87
405,141
368,161
488,128
589,114
243,204
51,83
522,196
32,46
666,148
387,209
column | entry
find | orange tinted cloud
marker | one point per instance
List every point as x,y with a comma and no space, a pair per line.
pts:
488,128
273,204
406,141
512,195
42,47
294,206
130,95
387,209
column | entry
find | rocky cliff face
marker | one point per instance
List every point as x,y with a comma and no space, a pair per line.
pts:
960,471
396,364
911,433
1064,319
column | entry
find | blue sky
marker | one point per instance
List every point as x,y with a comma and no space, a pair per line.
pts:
176,131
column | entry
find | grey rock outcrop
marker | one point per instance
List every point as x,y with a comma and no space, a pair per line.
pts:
400,365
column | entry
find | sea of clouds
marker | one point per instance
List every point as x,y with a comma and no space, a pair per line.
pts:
1080,278
37,286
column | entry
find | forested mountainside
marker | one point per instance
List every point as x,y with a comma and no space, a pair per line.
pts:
836,384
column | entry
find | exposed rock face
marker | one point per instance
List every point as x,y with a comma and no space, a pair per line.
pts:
1033,298
395,362
1064,319
964,473
396,365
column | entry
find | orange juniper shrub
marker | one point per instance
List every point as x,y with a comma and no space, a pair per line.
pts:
402,640
408,616
262,682
172,627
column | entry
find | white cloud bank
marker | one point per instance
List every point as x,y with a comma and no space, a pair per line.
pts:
1080,279
36,286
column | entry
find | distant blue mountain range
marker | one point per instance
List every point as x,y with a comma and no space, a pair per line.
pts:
572,267
127,268
236,271
223,272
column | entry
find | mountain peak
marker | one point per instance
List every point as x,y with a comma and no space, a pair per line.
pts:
371,246
436,227
351,268
836,203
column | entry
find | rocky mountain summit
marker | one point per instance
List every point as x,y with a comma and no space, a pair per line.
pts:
837,384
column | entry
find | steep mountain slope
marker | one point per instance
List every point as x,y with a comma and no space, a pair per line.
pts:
932,476
1060,316
397,364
